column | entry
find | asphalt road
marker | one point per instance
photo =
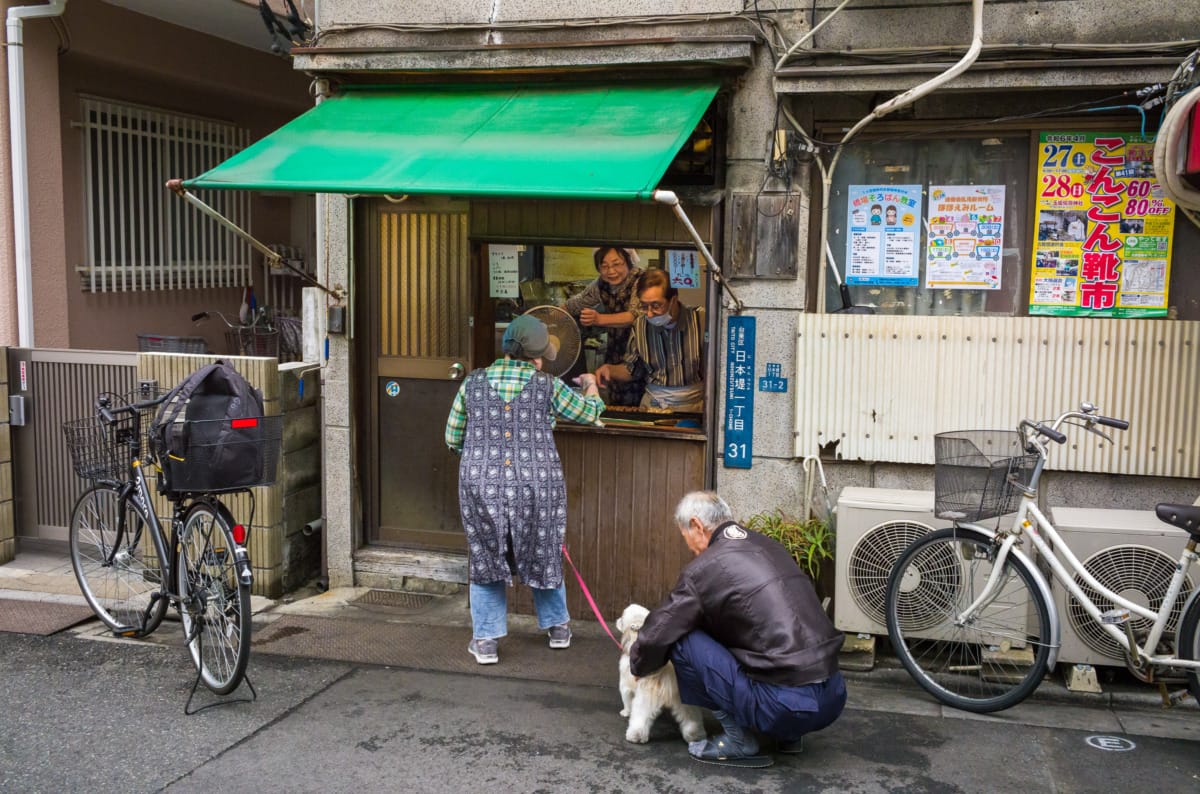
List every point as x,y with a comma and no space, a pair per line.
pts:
83,714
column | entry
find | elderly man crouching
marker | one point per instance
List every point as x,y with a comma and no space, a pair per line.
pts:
748,638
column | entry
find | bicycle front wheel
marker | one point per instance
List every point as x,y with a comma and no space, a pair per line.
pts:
213,603
987,660
116,564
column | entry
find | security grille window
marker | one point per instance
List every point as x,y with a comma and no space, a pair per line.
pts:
139,236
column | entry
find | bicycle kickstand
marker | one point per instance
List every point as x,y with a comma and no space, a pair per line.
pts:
1171,699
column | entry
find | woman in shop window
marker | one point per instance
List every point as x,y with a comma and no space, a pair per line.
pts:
511,492
610,304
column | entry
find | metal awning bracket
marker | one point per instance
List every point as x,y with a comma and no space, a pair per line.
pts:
671,200
273,259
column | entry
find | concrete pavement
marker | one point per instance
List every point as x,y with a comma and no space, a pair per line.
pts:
84,710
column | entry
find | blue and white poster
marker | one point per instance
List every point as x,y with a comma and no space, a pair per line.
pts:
882,235
739,393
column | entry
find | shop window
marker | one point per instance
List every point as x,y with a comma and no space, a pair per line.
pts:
886,257
521,277
138,235
884,261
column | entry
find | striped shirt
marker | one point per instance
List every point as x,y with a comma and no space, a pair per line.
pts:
668,356
508,377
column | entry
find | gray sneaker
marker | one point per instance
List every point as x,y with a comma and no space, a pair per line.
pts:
560,636
484,651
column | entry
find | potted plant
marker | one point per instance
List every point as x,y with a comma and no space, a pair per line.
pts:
809,541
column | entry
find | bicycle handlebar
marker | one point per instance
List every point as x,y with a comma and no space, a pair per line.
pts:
1087,417
1107,421
1050,433
110,414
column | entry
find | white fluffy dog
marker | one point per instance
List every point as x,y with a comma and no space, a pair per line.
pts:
644,698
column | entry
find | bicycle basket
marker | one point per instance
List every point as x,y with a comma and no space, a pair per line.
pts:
971,473
102,451
218,455
253,340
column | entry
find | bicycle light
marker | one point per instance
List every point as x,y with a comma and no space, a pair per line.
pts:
239,534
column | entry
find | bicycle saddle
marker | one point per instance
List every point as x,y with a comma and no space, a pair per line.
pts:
1186,517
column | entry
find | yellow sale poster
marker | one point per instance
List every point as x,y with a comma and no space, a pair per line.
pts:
1103,228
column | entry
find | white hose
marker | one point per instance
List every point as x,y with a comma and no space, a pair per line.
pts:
907,98
1167,153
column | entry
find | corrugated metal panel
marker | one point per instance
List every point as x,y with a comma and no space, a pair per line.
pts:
63,385
882,386
573,222
424,265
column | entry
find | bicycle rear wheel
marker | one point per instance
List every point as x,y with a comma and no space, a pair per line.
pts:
213,603
1188,644
117,567
987,661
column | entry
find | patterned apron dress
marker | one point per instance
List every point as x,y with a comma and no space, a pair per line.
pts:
510,484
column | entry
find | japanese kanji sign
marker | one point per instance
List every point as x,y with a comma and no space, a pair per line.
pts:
1104,228
739,393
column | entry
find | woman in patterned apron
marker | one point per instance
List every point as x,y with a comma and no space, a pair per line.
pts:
510,482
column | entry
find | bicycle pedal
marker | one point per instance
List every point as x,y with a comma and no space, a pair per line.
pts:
126,632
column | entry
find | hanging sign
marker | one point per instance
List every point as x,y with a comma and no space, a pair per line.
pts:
739,393
966,237
1104,228
684,268
504,274
882,234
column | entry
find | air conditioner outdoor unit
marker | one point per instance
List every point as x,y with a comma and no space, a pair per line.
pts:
874,526
1131,553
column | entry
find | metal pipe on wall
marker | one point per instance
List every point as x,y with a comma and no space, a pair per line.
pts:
19,158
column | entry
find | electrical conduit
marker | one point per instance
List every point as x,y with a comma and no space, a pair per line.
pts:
907,98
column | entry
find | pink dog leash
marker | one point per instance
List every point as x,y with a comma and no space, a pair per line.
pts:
588,595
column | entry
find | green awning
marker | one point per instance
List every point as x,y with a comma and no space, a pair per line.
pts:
577,141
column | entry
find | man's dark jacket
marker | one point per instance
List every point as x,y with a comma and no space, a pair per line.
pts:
748,594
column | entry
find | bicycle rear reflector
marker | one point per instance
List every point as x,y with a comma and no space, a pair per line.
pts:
238,424
239,534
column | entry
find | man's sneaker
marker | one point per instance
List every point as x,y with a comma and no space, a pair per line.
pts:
484,651
560,636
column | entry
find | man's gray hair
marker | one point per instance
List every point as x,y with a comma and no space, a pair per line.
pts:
704,505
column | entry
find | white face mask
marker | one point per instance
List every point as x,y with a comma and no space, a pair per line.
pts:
661,320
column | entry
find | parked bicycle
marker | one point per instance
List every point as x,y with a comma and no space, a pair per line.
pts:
127,568
258,337
971,616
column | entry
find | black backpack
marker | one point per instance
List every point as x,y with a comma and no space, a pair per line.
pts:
205,435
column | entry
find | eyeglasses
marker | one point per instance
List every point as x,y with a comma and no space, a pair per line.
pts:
655,306
611,266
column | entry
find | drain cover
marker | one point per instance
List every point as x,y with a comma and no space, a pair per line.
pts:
393,598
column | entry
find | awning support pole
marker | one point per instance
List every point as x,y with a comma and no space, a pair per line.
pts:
273,259
671,200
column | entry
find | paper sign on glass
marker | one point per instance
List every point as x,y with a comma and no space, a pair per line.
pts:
964,247
882,234
504,274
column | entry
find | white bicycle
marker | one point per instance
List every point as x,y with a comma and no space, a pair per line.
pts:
972,617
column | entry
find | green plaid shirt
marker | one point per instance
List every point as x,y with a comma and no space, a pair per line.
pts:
508,377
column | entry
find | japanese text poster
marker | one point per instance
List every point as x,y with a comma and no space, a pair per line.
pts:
1104,228
882,234
504,273
684,268
966,237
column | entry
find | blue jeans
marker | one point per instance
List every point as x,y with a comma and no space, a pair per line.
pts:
489,609
710,677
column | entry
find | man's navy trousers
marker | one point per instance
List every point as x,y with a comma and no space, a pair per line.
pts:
709,676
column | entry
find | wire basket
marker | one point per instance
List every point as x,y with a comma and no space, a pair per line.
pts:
219,455
101,450
972,471
157,343
253,340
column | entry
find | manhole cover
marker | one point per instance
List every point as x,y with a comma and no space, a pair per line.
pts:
393,598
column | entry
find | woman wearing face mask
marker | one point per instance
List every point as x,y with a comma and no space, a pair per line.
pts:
666,348
610,304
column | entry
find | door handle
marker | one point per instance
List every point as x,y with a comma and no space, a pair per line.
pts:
456,371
